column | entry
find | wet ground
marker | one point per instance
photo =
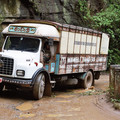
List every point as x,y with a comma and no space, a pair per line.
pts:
68,104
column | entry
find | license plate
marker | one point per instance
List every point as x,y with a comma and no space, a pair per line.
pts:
0,80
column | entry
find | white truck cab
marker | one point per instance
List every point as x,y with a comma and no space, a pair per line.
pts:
36,54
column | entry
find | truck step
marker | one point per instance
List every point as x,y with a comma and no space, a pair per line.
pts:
52,82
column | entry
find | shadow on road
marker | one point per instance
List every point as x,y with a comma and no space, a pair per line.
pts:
17,94
27,94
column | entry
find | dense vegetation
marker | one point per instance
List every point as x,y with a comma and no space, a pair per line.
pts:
105,19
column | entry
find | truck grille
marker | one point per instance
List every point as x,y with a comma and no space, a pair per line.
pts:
7,67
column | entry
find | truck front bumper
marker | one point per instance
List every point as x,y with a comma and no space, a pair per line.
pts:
16,81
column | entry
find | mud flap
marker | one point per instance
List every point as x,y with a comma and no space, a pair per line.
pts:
48,90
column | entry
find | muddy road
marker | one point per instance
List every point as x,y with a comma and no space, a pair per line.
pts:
68,104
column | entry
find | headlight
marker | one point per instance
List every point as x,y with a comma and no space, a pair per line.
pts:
20,72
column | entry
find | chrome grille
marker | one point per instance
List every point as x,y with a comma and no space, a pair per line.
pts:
7,67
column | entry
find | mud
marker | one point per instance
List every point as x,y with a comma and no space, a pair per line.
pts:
67,104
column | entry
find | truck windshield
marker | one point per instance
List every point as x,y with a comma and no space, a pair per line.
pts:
22,44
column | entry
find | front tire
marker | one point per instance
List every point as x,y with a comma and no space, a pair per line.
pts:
39,87
88,81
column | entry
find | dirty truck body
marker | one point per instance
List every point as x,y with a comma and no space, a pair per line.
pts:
41,54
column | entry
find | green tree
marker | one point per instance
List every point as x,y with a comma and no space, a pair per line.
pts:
106,20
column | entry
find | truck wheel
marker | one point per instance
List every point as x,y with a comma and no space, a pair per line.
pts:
1,87
39,86
88,81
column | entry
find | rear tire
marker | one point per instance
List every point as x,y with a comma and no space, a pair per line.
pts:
88,81
39,87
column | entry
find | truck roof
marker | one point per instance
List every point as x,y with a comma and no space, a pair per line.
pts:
32,29
59,26
42,28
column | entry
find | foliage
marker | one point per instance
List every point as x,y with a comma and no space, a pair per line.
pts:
115,100
107,20
84,12
116,103
114,56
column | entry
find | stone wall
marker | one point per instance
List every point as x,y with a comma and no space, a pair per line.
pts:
63,11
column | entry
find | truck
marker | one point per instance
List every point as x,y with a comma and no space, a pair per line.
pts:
40,54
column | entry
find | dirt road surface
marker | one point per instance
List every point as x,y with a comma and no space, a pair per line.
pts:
69,104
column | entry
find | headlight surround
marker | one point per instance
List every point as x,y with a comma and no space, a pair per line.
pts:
20,72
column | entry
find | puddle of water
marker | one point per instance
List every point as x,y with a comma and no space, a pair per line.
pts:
24,106
83,90
75,109
59,115
27,115
65,96
63,101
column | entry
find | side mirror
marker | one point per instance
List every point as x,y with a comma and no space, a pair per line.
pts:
50,42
